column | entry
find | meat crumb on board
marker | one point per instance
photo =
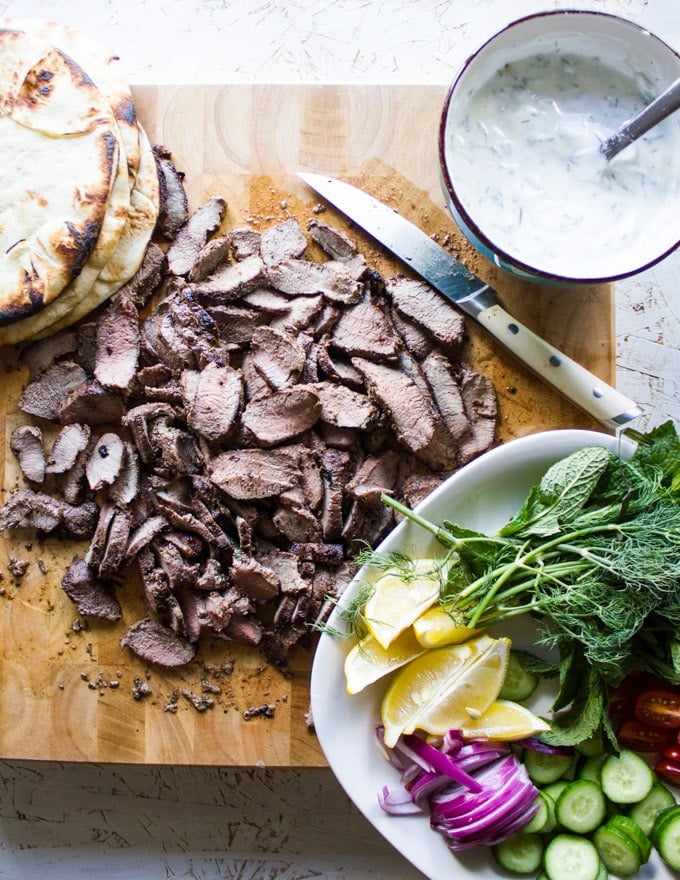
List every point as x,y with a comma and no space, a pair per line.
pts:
269,385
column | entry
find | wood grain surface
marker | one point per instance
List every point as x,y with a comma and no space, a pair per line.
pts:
65,690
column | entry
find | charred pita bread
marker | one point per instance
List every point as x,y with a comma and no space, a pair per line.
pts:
59,153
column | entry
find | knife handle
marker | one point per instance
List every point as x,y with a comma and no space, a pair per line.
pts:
587,391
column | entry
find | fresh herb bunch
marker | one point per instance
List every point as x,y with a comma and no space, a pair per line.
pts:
594,555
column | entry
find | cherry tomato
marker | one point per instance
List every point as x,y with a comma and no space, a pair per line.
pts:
668,771
633,734
672,752
658,708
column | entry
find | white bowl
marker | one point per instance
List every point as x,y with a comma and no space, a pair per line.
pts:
522,171
483,495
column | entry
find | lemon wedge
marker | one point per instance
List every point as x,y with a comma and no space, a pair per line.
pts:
436,628
368,661
444,688
396,601
505,720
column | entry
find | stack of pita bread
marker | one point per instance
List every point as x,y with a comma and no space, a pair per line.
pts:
79,195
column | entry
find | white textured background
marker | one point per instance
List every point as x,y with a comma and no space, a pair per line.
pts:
106,822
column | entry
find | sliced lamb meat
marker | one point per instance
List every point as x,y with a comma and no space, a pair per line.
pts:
189,240
26,442
232,281
277,356
174,206
26,509
282,416
277,643
378,474
72,483
287,567
245,242
211,256
126,485
410,412
447,394
45,396
157,643
237,323
117,345
213,399
116,544
326,320
427,308
140,420
95,552
178,571
332,241
212,577
105,462
250,474
283,241
326,554
344,408
176,450
337,368
414,337
92,404
164,339
42,354
87,345
93,596
337,467
67,446
367,524
254,385
245,630
417,487
333,279
143,535
267,301
481,408
255,580
147,279
302,313
154,582
296,522
365,331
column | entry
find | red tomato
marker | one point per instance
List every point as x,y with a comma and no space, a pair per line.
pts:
668,771
672,752
658,708
633,734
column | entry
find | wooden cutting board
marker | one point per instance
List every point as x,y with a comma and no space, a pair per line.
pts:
66,692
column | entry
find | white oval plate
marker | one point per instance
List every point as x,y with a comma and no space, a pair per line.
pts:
483,495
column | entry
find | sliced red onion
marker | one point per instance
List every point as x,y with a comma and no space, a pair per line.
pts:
537,745
397,803
441,763
452,741
425,785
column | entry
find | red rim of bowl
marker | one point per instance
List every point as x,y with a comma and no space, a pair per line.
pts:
450,189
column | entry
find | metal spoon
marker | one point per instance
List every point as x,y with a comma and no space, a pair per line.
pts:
666,103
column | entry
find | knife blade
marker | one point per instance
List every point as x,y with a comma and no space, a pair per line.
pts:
477,300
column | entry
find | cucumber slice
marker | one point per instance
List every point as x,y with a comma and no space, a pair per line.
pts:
555,789
646,811
620,854
666,836
522,853
519,683
568,857
626,778
546,767
581,807
543,819
628,826
591,766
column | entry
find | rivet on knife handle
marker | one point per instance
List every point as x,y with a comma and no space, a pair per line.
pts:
596,397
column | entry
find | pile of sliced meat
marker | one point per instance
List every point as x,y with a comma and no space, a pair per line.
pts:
229,422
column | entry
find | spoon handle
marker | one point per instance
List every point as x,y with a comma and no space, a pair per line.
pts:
661,107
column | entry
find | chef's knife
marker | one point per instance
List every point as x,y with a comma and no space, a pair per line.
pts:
476,299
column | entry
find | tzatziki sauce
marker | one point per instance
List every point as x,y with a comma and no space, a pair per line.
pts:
522,152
